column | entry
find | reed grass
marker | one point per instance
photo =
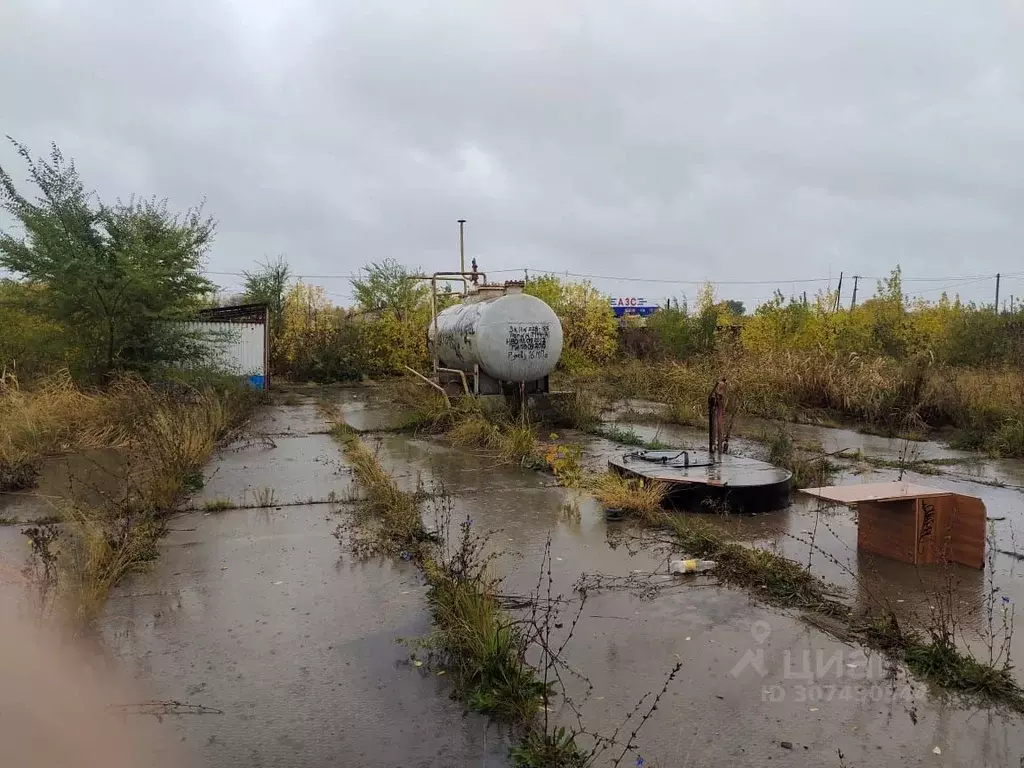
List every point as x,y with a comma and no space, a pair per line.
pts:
890,396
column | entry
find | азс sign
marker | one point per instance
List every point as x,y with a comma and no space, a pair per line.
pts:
631,305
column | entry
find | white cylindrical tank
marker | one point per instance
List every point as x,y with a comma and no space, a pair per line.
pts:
514,337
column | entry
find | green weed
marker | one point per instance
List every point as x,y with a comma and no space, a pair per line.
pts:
626,436
511,440
936,659
1008,439
556,748
388,520
580,409
565,461
810,469
217,505
18,473
484,648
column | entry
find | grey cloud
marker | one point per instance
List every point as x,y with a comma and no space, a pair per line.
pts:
686,140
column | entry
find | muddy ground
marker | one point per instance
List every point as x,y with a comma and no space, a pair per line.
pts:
288,646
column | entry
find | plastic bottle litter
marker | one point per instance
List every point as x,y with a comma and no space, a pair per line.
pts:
691,566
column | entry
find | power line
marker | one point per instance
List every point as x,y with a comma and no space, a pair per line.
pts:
635,279
630,279
953,286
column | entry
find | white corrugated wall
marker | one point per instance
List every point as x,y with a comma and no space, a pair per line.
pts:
238,348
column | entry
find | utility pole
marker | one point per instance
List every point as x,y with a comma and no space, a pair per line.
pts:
462,245
853,301
997,293
839,292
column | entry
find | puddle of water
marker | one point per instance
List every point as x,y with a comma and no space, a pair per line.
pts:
370,410
93,477
301,419
973,467
14,552
916,594
805,688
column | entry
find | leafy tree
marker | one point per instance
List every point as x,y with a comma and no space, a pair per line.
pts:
269,285
30,346
114,274
326,343
889,315
388,287
308,322
673,330
736,308
589,327
706,298
547,288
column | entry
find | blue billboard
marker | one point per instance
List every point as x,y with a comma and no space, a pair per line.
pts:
631,305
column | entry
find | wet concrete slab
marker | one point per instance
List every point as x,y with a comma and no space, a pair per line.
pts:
259,615
25,506
282,469
753,679
261,618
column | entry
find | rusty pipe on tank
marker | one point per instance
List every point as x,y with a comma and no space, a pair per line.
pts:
462,375
463,277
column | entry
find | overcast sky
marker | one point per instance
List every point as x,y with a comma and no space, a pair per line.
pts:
730,140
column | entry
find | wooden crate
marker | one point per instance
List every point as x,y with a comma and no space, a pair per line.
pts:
914,524
888,528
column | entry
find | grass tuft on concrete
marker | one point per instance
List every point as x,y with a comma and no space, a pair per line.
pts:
387,520
478,642
484,649
164,435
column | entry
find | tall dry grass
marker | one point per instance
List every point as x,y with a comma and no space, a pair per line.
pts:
54,418
176,435
95,551
163,435
986,407
640,498
172,429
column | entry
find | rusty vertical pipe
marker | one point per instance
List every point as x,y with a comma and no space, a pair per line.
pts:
711,424
462,246
433,311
